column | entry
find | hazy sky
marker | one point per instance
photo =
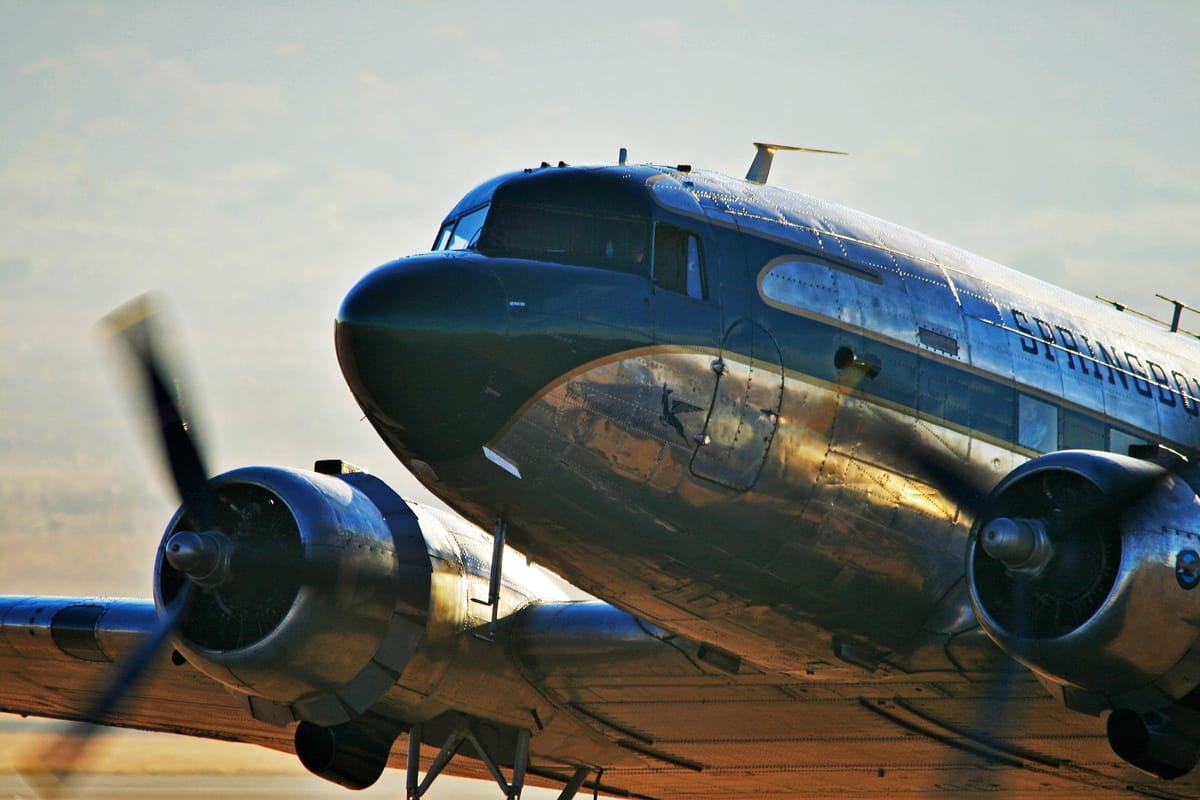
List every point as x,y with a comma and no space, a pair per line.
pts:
252,160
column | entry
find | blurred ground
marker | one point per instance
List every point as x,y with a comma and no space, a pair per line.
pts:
134,764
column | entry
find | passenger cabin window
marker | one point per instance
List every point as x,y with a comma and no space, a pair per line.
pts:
1037,424
1119,441
1081,432
463,232
582,237
677,264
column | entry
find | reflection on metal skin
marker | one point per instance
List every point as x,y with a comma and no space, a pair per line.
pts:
202,555
849,538
1020,544
381,614
586,637
326,576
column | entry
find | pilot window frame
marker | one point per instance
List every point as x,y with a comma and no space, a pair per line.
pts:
686,274
462,232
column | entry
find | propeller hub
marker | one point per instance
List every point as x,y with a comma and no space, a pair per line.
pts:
201,555
1019,544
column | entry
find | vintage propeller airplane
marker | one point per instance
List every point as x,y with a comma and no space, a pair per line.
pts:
866,514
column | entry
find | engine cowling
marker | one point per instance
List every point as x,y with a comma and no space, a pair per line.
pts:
1081,566
318,594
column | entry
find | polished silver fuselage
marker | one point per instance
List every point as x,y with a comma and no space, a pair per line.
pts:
755,493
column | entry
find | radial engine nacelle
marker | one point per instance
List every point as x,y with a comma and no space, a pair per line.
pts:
1082,566
313,589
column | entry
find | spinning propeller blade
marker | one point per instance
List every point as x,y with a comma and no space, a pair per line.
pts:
135,326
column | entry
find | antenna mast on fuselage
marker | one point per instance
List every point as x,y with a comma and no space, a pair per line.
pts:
1178,305
765,154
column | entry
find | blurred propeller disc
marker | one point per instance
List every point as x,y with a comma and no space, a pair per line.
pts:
136,327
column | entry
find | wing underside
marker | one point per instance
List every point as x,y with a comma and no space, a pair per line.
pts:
677,724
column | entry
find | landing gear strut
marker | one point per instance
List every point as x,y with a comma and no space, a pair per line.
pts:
463,733
497,574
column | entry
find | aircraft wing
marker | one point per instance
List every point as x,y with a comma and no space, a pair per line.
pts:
59,655
665,719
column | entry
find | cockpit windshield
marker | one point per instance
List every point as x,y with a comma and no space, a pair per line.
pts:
562,216
463,232
582,237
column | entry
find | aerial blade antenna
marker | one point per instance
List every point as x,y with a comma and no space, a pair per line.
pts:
760,168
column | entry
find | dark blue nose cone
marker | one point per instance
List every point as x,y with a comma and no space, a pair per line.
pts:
421,342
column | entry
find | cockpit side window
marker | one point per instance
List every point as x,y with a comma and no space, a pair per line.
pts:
677,263
622,244
461,233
